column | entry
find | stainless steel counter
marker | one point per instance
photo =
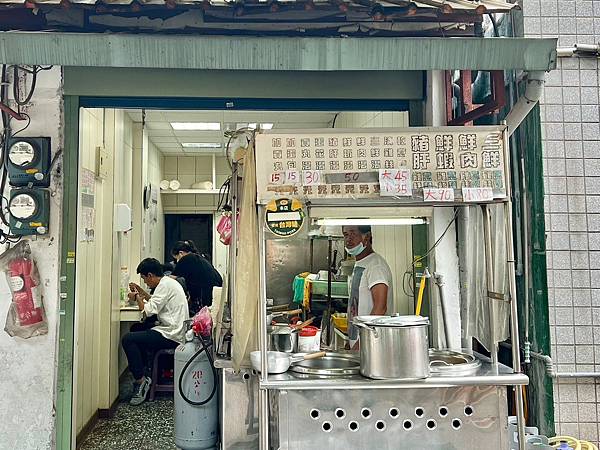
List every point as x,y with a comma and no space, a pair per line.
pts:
486,375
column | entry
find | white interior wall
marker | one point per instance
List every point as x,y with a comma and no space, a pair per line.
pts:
28,367
97,340
91,326
98,268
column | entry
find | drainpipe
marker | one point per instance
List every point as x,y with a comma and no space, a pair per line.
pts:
582,50
533,93
551,371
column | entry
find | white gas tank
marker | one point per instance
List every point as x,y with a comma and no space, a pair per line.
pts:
196,426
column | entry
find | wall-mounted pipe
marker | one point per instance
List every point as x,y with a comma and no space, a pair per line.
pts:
550,368
581,50
533,93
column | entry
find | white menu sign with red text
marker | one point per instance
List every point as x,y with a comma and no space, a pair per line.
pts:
415,164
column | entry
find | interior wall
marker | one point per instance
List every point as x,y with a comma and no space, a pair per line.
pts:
154,220
91,326
98,269
394,243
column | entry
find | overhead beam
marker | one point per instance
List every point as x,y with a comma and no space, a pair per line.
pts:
276,53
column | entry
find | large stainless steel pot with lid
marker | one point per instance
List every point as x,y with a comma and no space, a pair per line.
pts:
393,347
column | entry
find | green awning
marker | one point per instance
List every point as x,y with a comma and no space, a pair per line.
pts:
276,53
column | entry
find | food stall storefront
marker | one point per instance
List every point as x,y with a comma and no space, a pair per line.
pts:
408,382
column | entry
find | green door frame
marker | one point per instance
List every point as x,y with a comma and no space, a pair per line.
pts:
66,330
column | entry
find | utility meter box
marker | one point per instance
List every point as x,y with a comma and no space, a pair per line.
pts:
29,211
28,161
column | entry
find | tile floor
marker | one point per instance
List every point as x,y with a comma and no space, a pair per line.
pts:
148,426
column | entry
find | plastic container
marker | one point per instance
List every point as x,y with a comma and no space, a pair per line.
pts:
309,339
124,286
340,321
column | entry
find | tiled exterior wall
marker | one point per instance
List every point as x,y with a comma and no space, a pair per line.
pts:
571,133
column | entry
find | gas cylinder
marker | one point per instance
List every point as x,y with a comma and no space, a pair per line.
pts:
196,426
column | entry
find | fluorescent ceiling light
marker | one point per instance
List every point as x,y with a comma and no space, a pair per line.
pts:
266,126
196,126
374,221
252,126
201,145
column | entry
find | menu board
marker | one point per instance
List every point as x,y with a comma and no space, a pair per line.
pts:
417,164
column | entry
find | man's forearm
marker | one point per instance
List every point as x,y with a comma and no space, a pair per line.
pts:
140,302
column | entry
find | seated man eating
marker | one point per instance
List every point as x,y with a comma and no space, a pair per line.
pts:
170,305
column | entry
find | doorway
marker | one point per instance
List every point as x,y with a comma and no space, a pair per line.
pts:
154,152
189,227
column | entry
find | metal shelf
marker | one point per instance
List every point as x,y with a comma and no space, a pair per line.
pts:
487,375
192,191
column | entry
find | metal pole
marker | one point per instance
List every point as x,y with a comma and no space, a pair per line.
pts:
489,271
512,284
263,394
526,247
234,240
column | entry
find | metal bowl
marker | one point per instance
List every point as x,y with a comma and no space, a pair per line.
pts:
331,365
449,363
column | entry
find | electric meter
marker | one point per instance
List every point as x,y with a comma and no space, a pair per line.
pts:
29,211
28,161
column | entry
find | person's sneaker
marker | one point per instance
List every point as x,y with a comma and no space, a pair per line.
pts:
141,392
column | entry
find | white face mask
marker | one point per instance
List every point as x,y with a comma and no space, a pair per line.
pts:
355,251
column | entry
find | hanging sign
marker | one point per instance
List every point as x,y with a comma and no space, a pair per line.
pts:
364,163
284,217
395,183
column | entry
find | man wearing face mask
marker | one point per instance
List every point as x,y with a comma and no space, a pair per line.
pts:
371,290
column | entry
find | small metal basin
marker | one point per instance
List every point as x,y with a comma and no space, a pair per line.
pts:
332,365
449,363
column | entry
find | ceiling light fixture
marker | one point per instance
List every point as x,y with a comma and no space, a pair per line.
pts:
374,221
201,145
266,126
196,126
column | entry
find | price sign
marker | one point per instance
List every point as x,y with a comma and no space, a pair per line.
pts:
395,182
312,177
477,194
292,177
277,178
438,194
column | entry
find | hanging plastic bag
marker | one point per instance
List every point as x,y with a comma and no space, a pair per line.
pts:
26,315
202,322
224,228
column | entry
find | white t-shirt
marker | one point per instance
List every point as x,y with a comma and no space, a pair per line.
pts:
368,272
170,305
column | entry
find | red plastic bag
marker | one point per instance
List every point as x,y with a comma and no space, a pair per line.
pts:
26,315
202,322
224,229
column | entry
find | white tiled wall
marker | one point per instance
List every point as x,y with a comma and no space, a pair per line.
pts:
571,132
189,170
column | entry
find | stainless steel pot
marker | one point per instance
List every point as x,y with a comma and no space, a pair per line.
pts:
393,347
284,339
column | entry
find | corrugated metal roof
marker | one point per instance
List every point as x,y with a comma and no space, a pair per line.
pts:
364,18
446,6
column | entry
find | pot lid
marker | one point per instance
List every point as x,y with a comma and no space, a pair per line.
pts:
393,321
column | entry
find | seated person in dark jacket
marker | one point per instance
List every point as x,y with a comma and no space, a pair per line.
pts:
200,275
